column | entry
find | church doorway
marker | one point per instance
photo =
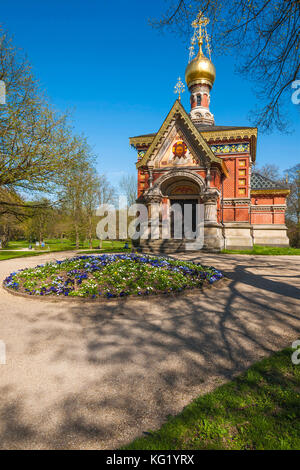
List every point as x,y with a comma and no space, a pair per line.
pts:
188,207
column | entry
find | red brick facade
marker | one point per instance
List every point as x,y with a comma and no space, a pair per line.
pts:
221,159
234,189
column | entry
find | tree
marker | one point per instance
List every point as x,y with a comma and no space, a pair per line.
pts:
38,225
36,145
10,227
61,223
128,186
270,171
264,35
82,191
74,186
293,204
106,192
292,181
90,201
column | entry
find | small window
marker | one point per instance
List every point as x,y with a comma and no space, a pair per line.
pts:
199,99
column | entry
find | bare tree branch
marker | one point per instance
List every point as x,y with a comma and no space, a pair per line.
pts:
263,36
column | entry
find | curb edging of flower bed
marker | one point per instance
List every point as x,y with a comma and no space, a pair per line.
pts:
219,283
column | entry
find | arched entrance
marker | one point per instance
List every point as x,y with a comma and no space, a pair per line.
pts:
181,191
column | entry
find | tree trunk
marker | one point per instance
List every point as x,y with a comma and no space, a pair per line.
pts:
77,236
5,236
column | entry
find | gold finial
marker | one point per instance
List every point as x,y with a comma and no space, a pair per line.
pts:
200,34
179,88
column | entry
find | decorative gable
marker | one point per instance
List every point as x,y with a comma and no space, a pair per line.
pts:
178,127
176,151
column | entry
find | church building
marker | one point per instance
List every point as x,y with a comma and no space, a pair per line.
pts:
193,160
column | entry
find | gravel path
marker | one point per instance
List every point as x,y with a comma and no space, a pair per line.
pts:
94,376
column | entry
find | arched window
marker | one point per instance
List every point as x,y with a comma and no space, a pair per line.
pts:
199,98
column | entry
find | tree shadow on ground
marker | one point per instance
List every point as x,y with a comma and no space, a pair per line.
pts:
136,361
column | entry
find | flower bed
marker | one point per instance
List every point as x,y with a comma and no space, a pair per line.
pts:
111,276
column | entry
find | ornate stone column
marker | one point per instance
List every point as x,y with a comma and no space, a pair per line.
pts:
210,206
213,238
152,199
208,176
155,218
150,171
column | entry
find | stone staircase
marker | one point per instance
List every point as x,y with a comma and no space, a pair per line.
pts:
162,246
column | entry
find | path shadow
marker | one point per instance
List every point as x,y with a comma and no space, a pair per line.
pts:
141,360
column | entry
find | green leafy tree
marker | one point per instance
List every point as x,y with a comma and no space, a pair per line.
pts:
90,202
74,187
38,225
36,144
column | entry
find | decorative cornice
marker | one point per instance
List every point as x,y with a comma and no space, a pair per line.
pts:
269,191
221,135
230,134
269,208
236,202
234,134
215,136
141,141
193,168
268,205
236,199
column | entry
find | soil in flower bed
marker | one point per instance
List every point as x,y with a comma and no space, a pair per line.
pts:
111,276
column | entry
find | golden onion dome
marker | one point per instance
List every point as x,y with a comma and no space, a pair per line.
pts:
200,70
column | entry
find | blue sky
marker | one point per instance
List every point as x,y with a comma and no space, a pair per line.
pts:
102,60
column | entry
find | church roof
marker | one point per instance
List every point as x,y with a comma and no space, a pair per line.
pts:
202,129
262,183
209,133
214,128
177,112
144,135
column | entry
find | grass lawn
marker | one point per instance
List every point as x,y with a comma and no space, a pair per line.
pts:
65,244
15,254
110,246
54,245
258,410
266,250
